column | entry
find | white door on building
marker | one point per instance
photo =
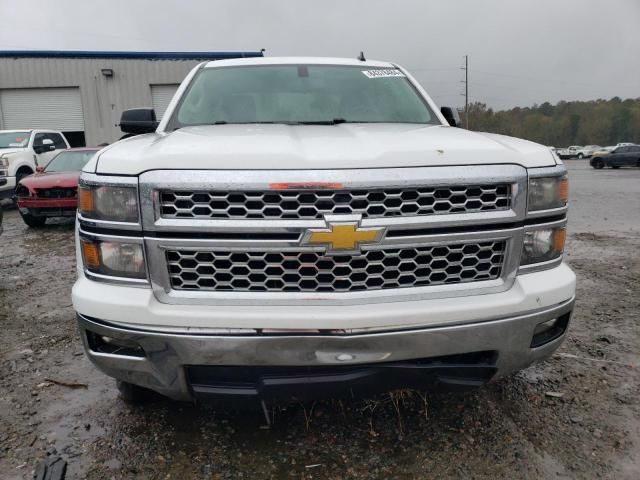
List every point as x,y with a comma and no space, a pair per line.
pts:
161,95
49,108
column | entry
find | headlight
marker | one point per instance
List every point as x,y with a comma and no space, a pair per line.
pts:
546,193
543,245
114,259
107,202
4,161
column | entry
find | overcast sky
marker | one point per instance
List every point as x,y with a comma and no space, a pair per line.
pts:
520,51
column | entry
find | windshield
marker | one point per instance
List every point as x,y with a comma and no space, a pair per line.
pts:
69,161
14,139
301,94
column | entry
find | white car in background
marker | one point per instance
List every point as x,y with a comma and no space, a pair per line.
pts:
569,152
588,151
22,151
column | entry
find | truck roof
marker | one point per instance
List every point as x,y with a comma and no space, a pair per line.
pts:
297,61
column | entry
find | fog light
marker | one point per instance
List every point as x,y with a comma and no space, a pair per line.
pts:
544,326
550,330
114,346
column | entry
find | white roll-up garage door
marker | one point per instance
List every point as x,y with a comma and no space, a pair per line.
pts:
161,95
55,108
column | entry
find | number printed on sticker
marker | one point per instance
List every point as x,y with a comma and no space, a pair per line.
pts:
383,73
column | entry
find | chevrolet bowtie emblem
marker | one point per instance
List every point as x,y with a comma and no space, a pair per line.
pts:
342,237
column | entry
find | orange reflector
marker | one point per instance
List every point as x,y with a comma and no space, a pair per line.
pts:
90,254
563,189
559,237
306,186
85,199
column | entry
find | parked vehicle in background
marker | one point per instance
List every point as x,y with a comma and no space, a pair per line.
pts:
22,151
625,144
588,151
53,190
625,156
569,152
297,226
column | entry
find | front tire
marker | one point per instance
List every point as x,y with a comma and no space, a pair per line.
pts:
23,172
32,221
134,394
598,163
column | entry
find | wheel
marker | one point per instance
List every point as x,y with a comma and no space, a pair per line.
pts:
580,156
598,163
20,174
33,221
134,394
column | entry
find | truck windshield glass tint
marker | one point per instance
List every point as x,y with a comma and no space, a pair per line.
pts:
14,139
69,161
293,94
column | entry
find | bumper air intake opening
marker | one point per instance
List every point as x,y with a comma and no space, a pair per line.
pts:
451,372
548,331
113,346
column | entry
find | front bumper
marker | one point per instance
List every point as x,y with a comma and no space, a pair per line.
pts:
175,364
7,186
55,207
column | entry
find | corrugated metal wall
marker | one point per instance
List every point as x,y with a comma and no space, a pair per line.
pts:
103,98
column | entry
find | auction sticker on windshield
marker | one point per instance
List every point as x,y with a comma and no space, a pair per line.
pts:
383,73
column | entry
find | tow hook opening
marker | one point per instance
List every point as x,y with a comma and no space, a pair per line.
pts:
549,330
113,346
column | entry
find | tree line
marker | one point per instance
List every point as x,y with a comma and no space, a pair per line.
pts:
597,122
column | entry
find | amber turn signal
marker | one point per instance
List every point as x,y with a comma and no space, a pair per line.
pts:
563,190
85,200
559,237
90,254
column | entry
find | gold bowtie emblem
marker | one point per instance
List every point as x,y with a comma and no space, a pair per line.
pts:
341,237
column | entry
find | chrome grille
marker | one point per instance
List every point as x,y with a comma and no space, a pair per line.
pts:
314,204
304,271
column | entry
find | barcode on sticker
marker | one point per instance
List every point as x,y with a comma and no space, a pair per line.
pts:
383,73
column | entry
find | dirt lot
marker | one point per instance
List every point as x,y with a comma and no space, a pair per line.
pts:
509,429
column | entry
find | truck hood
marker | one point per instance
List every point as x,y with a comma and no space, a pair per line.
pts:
286,147
51,180
12,150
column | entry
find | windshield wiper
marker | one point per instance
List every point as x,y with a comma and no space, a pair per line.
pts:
335,121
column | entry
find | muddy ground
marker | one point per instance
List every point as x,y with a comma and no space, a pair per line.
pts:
512,428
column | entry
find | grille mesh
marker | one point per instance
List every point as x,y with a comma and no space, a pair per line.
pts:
315,272
314,204
56,192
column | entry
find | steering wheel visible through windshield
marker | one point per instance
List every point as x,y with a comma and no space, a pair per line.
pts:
301,94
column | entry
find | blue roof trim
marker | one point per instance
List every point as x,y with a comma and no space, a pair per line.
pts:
127,55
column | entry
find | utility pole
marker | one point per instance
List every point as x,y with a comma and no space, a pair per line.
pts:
466,91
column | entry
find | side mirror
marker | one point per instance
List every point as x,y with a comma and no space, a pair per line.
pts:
138,120
451,116
39,169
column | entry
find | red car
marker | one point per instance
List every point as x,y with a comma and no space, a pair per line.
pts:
53,190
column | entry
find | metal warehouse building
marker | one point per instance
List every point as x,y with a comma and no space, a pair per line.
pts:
83,93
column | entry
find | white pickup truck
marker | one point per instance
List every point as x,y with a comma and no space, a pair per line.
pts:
307,226
22,151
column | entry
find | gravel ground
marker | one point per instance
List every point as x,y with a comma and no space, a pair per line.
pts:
511,428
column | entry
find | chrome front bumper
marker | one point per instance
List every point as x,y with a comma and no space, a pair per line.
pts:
164,357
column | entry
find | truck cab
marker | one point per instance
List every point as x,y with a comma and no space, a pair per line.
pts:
23,151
